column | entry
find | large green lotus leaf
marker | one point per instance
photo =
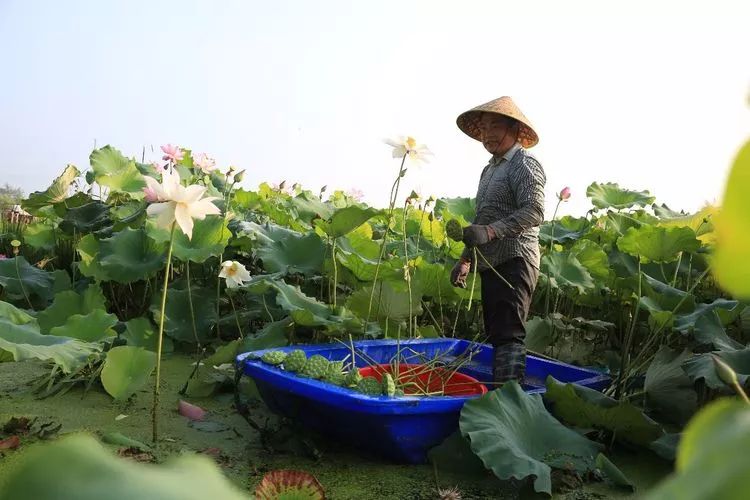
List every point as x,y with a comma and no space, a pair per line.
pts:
708,330
68,303
587,408
56,193
26,279
20,337
666,446
613,473
79,468
362,268
592,257
706,326
455,454
178,323
433,231
113,170
619,223
712,456
126,370
86,218
132,213
658,244
702,366
309,207
92,327
610,195
140,332
387,302
701,222
669,391
273,334
431,279
566,271
210,238
15,315
130,255
538,333
731,265
514,436
667,297
40,235
451,208
90,265
567,228
344,220
307,309
294,254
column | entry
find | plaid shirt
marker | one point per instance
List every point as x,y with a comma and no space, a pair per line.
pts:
510,199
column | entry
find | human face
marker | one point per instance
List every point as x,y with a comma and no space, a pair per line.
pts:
497,133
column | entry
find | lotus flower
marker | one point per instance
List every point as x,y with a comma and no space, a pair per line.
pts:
204,162
177,203
172,153
564,194
190,410
408,146
355,193
3,256
234,272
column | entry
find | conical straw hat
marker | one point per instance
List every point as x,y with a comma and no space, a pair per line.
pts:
468,121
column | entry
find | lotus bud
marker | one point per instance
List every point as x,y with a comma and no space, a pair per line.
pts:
282,185
239,176
323,189
454,230
725,372
564,194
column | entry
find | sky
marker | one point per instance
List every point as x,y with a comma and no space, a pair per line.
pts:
652,95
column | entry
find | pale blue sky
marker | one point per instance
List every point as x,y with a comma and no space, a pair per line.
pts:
652,97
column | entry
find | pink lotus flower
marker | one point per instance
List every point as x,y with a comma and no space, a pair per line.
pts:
150,194
172,153
2,256
564,194
204,162
355,193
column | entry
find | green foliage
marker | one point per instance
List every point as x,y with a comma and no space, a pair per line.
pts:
130,255
658,244
113,170
126,370
209,239
178,320
68,303
711,459
56,193
347,219
79,468
20,336
20,279
587,408
610,195
731,264
566,271
514,436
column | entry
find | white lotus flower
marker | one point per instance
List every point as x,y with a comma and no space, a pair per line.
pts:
234,272
408,146
204,162
177,203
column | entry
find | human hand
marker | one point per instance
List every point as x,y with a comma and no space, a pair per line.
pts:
477,234
460,272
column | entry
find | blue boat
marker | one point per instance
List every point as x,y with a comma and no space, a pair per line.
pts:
401,428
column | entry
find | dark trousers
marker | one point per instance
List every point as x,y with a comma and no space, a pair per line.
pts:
505,312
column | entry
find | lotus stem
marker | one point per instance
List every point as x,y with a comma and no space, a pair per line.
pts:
192,310
160,341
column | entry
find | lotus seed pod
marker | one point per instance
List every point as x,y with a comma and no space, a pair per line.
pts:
295,361
454,230
352,378
389,385
370,386
316,367
274,357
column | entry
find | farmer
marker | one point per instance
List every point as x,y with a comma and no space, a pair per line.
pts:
505,231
